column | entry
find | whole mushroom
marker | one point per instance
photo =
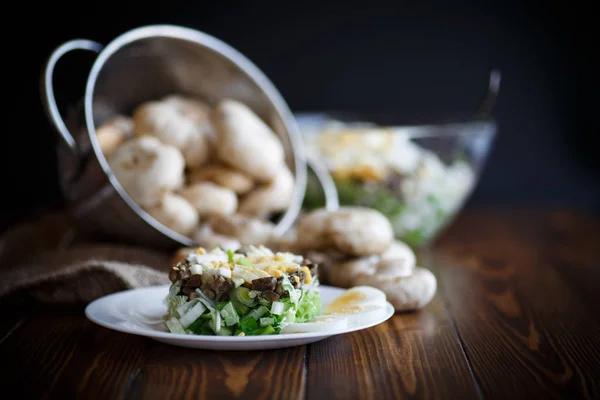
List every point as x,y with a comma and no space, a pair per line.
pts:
168,123
113,133
210,199
355,231
192,108
229,178
207,238
272,197
407,286
343,272
246,142
176,213
247,230
406,289
147,169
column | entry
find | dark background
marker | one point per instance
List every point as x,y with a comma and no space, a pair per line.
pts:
419,60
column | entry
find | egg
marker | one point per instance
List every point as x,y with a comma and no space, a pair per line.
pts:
360,305
322,323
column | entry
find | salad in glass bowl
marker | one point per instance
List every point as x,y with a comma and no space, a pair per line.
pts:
418,176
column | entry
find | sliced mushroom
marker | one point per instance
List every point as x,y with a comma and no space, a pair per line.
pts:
113,133
246,142
246,229
355,231
210,199
272,197
176,213
147,169
223,176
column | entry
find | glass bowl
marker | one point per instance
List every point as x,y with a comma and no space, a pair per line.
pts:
418,176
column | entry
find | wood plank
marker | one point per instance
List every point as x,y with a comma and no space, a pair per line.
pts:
66,356
573,243
526,331
412,355
174,372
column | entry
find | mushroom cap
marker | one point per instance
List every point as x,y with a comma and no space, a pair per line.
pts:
344,274
206,238
405,293
399,251
172,126
112,133
355,231
223,176
147,169
247,230
272,197
209,198
191,107
176,213
246,142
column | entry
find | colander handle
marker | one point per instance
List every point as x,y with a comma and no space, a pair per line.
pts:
48,89
332,202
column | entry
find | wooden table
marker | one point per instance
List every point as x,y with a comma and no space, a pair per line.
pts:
515,316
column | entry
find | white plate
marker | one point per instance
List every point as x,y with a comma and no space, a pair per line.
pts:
141,311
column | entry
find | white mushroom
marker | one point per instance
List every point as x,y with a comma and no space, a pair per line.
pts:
197,151
229,178
167,122
401,253
272,197
113,133
210,199
355,231
190,107
343,274
246,142
400,256
246,229
176,213
147,169
405,289
207,238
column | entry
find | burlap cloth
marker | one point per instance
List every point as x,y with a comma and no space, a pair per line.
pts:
48,260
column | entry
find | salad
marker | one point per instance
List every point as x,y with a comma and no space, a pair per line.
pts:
252,292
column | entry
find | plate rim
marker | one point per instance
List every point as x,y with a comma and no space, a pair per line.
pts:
223,339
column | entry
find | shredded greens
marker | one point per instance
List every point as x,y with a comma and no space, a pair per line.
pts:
242,314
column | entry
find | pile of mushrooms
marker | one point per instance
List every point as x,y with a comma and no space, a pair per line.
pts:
355,246
214,174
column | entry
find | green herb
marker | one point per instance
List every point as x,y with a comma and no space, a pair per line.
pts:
230,256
